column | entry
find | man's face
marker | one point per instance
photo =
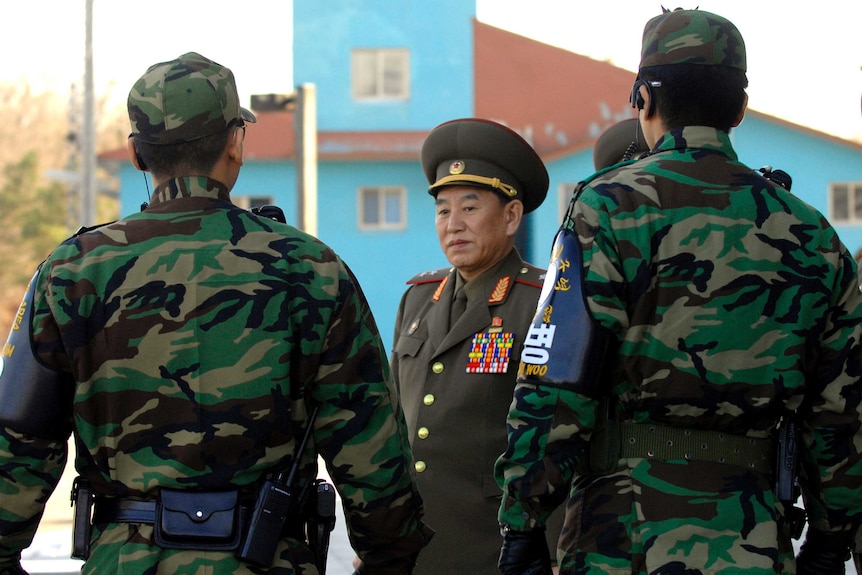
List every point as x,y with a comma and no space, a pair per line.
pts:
475,228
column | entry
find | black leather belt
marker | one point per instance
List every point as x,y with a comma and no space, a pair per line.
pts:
114,510
118,510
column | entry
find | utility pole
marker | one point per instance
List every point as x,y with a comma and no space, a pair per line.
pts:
73,164
88,131
306,157
303,103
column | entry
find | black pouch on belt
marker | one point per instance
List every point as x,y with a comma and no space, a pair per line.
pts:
198,520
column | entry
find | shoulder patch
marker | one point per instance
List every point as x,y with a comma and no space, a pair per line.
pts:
432,276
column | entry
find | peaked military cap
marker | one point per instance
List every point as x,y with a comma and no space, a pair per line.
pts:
622,141
184,99
692,37
484,154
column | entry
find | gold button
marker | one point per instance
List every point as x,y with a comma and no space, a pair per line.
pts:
423,432
437,367
428,399
419,466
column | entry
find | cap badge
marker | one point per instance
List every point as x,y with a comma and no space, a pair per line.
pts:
457,167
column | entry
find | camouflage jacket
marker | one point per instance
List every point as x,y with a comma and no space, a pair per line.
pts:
733,302
200,336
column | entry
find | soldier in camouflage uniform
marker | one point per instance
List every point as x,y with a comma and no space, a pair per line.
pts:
690,305
185,347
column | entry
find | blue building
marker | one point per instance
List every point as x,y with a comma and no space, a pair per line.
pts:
386,71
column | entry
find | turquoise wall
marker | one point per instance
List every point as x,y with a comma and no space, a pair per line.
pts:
813,161
275,179
382,260
439,35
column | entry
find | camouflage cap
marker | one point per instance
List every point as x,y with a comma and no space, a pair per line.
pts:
692,37
183,100
484,154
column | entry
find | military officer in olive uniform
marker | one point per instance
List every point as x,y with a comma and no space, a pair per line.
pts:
455,360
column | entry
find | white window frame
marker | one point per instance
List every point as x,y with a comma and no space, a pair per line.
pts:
849,209
381,224
374,67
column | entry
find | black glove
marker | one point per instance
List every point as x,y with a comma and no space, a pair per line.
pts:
524,553
824,553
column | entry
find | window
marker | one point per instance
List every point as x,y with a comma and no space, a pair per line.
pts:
845,202
382,208
249,202
381,74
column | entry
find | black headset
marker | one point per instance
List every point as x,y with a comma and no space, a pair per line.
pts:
143,167
637,100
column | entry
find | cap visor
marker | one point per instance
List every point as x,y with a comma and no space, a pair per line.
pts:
247,116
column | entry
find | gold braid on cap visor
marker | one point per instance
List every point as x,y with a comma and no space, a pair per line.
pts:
492,182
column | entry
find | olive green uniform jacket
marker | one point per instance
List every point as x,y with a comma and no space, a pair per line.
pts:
456,419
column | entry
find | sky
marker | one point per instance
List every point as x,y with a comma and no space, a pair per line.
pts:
804,58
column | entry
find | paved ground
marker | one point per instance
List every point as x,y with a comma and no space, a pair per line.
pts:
49,553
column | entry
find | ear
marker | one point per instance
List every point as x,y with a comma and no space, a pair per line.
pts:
514,213
133,154
235,146
645,99
741,112
641,97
